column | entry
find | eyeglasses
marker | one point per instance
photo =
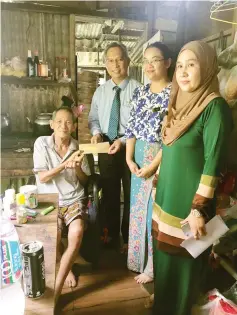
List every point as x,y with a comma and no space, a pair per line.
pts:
153,62
114,61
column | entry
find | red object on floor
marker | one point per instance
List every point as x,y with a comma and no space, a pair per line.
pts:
104,237
225,305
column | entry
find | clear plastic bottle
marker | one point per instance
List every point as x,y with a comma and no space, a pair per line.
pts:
9,203
11,270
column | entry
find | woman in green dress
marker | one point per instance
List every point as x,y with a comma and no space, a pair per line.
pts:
195,135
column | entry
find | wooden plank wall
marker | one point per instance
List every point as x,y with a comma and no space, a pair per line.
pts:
22,101
50,35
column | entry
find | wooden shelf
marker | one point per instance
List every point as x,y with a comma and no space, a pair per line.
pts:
30,81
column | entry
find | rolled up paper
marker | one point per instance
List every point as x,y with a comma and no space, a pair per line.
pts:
47,210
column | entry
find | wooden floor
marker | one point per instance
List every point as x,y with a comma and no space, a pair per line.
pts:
109,290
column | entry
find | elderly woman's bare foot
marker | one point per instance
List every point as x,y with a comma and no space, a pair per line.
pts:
71,280
143,278
149,301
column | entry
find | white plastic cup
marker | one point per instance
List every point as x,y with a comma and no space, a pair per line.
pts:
31,195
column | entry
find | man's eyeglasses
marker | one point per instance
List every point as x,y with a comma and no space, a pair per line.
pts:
114,61
153,62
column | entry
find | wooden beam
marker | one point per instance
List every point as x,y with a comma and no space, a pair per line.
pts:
37,7
121,4
128,24
215,37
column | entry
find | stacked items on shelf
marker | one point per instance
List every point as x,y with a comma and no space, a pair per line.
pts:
86,86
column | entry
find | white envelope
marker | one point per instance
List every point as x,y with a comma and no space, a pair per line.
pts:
215,229
89,148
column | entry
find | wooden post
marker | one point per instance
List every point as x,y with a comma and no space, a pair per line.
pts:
151,9
234,28
72,50
181,29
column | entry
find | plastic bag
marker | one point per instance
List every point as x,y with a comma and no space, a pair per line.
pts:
217,305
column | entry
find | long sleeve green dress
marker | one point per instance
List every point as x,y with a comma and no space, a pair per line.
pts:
191,165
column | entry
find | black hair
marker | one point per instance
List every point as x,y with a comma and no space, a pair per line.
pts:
67,109
163,48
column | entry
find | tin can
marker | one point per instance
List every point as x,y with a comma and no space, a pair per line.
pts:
33,269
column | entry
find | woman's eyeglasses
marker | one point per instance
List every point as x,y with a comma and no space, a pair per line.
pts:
153,62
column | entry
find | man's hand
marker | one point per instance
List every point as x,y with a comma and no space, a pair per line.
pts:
75,160
145,172
96,138
115,147
133,167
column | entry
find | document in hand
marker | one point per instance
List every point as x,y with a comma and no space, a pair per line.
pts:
89,148
215,229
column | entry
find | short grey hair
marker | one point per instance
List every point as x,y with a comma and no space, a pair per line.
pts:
119,45
66,109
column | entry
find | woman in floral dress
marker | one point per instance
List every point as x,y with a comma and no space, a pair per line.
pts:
143,142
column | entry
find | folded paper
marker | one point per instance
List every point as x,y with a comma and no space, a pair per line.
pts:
89,148
215,229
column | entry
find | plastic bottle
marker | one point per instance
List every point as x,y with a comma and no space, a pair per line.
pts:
21,212
40,68
30,65
65,74
12,301
36,64
57,68
9,203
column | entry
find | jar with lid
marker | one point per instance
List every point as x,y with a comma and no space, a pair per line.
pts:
21,212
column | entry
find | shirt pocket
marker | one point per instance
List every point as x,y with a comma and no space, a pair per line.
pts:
127,104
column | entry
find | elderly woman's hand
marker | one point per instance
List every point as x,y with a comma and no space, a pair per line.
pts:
197,225
133,167
146,172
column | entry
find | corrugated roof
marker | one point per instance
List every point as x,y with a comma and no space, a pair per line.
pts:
88,30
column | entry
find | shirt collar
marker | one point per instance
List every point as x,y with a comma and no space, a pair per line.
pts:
122,84
73,146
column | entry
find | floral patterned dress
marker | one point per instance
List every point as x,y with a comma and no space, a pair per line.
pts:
144,124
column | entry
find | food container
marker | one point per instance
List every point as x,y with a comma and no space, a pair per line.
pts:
31,195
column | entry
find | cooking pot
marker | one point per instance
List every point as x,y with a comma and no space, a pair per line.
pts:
41,125
5,123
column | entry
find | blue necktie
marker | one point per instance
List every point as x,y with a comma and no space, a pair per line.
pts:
114,115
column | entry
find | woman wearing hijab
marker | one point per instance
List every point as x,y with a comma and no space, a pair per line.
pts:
195,136
143,141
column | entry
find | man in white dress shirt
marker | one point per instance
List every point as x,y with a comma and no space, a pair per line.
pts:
111,108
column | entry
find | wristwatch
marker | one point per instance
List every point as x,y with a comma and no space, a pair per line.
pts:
196,213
